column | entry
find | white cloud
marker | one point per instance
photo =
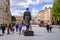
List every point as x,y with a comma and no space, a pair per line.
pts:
34,12
30,2
21,12
15,2
15,14
38,1
25,4
18,12
34,2
48,0
48,5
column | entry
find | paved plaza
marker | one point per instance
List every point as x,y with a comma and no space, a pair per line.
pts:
40,33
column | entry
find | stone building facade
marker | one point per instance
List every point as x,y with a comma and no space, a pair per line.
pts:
5,13
19,19
44,15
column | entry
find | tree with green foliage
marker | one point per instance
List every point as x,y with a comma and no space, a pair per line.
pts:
13,18
56,10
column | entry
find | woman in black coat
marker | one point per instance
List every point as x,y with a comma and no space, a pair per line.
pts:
3,28
47,27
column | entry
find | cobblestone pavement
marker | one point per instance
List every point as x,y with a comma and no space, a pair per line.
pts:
40,33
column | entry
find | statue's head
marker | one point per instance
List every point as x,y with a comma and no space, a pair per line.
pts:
27,8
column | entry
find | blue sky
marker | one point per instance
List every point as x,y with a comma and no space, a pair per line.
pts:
18,7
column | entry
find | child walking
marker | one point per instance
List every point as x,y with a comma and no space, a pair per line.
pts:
20,28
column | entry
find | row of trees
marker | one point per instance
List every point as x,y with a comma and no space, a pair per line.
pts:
13,18
56,10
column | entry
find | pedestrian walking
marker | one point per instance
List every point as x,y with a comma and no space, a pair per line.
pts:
9,28
3,28
47,27
13,29
50,28
20,28
16,26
